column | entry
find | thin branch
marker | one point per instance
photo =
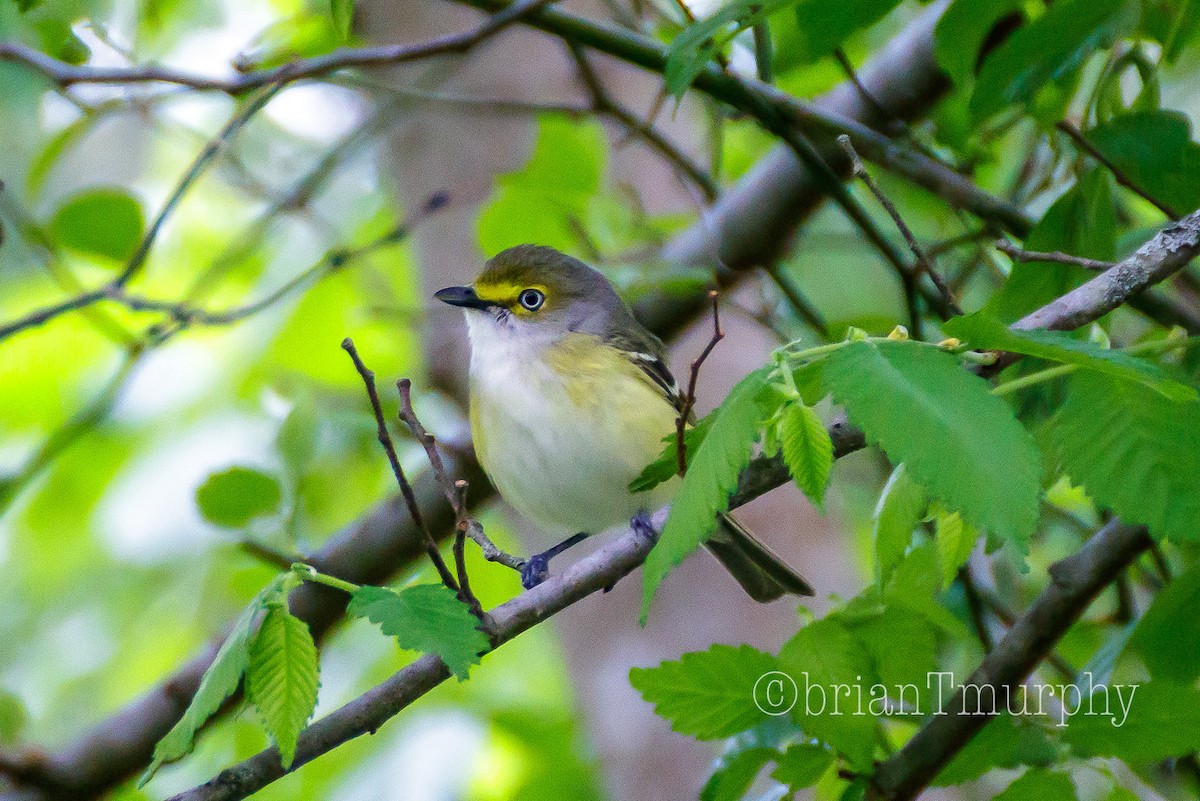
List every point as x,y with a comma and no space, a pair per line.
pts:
688,402
406,490
604,103
138,259
1018,254
64,74
924,265
1124,180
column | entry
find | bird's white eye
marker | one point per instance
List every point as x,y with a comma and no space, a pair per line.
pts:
531,299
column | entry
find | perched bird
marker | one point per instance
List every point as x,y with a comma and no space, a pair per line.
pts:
570,400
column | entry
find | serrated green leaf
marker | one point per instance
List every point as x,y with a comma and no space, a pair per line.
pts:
902,644
666,466
807,450
1168,635
821,655
281,678
234,497
707,694
985,332
733,778
1134,451
220,681
1038,784
955,540
425,617
1157,720
901,508
103,222
962,31
801,765
1005,742
711,478
953,435
1046,49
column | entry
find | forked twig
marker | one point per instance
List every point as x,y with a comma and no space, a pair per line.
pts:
688,403
1018,254
924,265
406,490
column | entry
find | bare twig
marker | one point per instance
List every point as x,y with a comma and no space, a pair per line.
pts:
1124,180
604,103
688,402
924,265
1018,254
406,490
64,74
455,491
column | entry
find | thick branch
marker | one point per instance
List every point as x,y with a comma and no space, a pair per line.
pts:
1074,583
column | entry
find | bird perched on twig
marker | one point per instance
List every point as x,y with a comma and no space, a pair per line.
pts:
571,398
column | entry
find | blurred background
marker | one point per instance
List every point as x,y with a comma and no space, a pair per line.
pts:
111,419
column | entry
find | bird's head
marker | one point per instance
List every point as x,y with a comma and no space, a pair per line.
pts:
536,290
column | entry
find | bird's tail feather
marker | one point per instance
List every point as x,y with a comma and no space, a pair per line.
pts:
762,574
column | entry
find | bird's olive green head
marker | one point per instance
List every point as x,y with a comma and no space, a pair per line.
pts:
536,288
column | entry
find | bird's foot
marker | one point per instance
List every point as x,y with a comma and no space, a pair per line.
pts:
536,568
641,524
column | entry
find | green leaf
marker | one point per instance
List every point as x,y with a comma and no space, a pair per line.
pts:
1150,722
801,765
101,222
1168,635
807,450
821,655
281,678
220,681
955,540
425,617
1134,451
953,435
707,694
1038,784
546,200
12,717
985,332
1083,222
234,497
1155,150
1005,742
962,31
1048,48
733,778
57,39
902,644
694,47
666,466
900,510
343,16
711,478
824,24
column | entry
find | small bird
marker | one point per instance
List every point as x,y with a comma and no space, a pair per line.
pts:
571,399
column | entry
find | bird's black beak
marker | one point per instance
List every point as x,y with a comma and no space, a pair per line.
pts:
462,296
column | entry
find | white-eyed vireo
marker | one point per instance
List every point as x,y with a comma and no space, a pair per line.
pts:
570,400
